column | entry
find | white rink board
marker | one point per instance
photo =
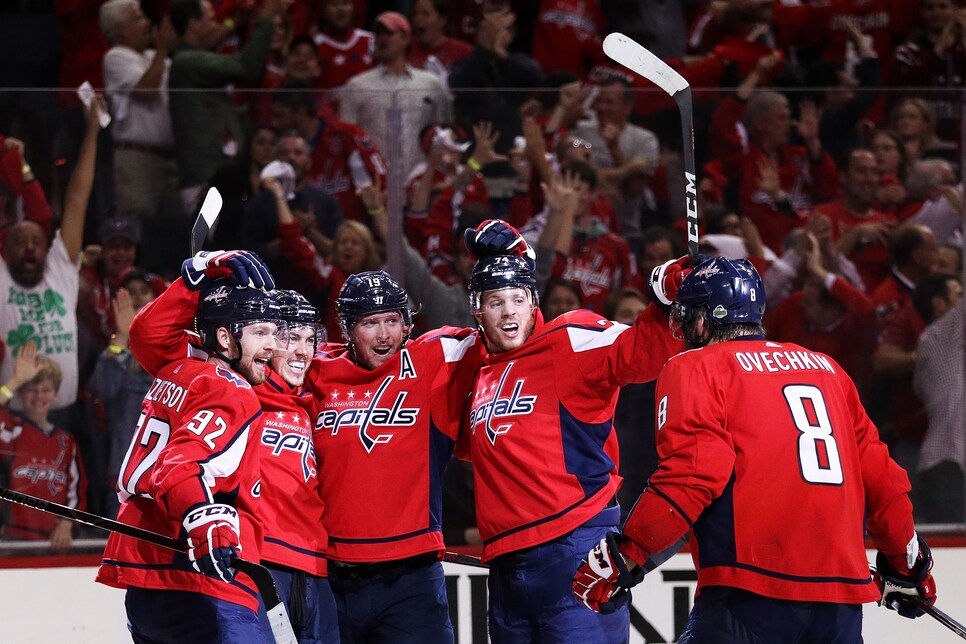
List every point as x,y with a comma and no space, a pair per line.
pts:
45,605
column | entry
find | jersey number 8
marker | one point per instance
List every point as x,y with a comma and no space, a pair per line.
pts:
818,453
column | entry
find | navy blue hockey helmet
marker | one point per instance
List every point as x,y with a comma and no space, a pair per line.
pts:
367,293
730,290
499,272
297,311
224,305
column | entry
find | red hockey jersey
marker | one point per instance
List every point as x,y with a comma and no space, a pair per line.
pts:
340,60
41,464
541,435
383,439
290,506
345,159
195,443
768,456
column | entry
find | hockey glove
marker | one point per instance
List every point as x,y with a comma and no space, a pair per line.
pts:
899,581
666,279
496,237
213,539
239,267
603,582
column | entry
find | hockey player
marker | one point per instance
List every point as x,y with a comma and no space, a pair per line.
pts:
390,415
192,473
542,441
767,456
290,507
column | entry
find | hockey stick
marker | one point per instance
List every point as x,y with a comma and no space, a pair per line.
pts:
639,60
938,615
463,560
275,608
930,610
210,208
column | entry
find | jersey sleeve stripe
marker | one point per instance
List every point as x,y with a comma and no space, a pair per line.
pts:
584,338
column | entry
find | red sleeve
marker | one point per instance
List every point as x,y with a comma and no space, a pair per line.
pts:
78,483
696,455
854,300
159,332
197,460
825,179
300,253
636,354
724,141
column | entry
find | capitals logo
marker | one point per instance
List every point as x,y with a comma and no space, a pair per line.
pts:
491,412
372,415
281,434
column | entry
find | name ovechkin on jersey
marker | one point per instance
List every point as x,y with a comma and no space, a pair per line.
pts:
371,415
515,405
281,434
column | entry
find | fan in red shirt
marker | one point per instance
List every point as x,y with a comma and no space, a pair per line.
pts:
431,48
36,457
861,232
762,443
344,158
344,50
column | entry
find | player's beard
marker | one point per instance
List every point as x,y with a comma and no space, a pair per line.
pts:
255,369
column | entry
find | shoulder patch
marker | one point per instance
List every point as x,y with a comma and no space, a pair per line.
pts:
232,377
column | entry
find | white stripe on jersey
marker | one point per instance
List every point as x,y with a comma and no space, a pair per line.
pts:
226,463
454,350
584,339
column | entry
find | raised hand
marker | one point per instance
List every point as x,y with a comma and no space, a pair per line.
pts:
486,138
496,237
239,267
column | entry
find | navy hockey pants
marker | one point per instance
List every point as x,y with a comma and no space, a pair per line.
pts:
181,617
397,602
531,598
724,615
310,605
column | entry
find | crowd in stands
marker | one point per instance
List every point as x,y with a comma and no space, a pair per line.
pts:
827,137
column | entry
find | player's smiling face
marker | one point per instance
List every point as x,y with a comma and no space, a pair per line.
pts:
258,345
292,363
506,317
376,338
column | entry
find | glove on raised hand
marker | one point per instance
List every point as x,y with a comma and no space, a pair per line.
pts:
239,267
496,237
898,581
602,583
213,539
666,279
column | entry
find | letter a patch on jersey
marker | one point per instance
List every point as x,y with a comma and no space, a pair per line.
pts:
407,369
